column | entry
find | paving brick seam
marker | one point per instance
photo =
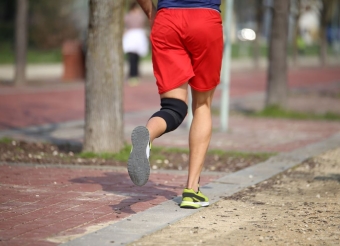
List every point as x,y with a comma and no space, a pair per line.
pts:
51,224
50,205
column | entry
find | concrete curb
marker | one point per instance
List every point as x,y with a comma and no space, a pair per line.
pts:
138,225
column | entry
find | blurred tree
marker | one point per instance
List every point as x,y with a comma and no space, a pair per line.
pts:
258,30
7,19
296,10
327,12
277,85
51,22
104,130
20,42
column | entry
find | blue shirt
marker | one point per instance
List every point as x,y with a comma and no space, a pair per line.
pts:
211,4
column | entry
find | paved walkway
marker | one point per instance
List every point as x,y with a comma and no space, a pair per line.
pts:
47,205
41,202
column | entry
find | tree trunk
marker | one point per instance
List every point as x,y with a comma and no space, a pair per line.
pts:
20,42
277,86
296,33
104,130
327,12
256,43
323,40
323,46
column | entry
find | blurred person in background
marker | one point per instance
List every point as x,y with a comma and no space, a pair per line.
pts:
135,42
187,47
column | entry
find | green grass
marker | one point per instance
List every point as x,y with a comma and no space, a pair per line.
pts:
338,96
170,150
44,56
310,50
159,153
5,140
239,154
277,112
34,56
123,155
215,111
245,49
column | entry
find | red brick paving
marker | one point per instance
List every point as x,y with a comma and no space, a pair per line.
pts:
20,110
43,106
46,202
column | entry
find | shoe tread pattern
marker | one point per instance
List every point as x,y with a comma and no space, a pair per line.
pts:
138,163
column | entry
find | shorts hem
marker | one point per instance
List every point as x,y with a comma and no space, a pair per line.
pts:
176,85
203,90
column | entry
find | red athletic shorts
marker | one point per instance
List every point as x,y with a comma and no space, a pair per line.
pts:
187,46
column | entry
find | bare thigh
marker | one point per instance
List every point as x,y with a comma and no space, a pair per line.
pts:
180,93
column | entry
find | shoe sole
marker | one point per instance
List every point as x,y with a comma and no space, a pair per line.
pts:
138,163
186,204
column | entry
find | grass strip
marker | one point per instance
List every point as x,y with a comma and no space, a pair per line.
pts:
278,112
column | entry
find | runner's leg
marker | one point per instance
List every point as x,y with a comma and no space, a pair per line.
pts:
200,134
157,125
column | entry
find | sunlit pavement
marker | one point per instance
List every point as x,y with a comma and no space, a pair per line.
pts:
38,203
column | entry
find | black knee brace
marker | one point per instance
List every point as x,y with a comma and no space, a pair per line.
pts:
173,111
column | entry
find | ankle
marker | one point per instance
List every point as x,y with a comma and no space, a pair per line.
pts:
196,189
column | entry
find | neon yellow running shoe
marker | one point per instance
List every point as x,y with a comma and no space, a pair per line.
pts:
192,199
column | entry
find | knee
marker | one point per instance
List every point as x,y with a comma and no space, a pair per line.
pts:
203,105
173,111
202,99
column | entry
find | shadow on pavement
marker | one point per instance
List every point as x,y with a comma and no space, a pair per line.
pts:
44,133
128,198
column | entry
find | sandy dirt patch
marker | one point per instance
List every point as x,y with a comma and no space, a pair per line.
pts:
298,207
